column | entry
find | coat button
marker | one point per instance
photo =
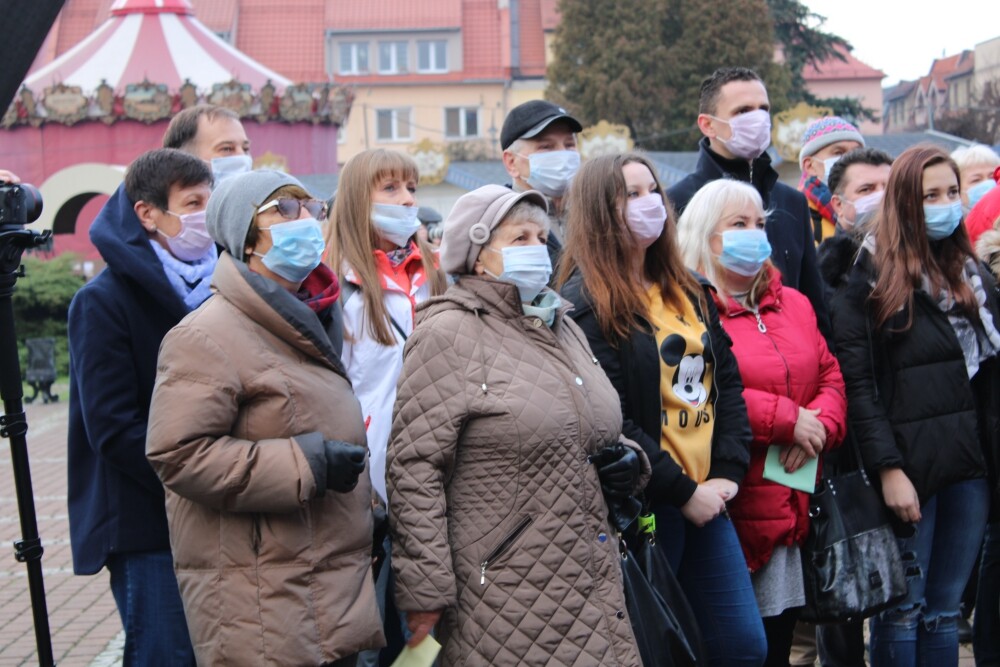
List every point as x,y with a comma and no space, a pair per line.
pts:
537,323
579,381
620,615
602,537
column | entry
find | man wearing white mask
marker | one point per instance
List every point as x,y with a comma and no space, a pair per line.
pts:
214,134
153,236
825,140
538,139
734,117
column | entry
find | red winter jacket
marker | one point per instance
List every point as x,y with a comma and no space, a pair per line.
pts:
787,366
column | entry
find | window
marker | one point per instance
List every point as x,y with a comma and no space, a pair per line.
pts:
432,56
392,57
354,57
461,122
392,124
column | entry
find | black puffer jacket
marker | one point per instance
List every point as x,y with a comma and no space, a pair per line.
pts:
910,402
634,369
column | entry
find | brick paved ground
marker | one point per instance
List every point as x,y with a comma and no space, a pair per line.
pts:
82,613
86,630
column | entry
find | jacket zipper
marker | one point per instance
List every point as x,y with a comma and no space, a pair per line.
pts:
763,329
503,547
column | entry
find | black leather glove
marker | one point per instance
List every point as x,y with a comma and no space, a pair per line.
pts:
344,462
618,468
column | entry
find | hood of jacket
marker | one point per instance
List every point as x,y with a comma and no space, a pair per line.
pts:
835,257
988,249
124,245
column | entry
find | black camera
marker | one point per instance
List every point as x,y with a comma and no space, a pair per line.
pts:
20,203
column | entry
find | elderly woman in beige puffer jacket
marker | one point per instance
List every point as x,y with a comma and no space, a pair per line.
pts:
260,443
499,520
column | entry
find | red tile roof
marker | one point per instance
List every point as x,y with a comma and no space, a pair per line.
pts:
941,68
285,36
550,15
834,68
392,14
532,39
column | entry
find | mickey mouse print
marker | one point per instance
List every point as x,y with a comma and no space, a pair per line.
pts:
687,413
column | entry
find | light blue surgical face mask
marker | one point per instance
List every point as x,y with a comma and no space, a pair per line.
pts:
297,248
396,224
942,219
229,166
977,191
744,251
527,266
550,172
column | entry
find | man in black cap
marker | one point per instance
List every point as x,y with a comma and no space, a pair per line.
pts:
539,153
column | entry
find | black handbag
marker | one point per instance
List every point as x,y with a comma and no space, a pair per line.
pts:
850,560
663,623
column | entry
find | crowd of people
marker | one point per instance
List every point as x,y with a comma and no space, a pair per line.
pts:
303,434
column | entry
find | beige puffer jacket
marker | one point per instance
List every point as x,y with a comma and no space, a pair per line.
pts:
273,569
497,515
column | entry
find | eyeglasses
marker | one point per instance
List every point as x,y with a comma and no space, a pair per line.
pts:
290,208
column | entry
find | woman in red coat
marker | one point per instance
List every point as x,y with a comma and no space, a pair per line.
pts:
792,386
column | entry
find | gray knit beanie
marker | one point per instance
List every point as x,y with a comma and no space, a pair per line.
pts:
235,201
475,215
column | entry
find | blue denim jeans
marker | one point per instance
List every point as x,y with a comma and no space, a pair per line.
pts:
710,567
986,626
145,590
939,557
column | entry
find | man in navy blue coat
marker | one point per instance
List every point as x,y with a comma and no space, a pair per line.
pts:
734,117
159,266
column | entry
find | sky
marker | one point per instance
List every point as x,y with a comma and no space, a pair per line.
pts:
901,38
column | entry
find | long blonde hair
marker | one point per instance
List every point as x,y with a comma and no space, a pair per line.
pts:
352,238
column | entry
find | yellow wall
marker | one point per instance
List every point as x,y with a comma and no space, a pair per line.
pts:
427,116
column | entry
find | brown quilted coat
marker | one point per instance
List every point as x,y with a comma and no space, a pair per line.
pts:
497,515
273,569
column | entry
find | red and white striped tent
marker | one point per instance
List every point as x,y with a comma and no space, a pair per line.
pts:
159,41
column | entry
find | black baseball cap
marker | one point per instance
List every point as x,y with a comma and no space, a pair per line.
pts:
529,120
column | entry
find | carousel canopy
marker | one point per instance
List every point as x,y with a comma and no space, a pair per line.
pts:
152,58
154,40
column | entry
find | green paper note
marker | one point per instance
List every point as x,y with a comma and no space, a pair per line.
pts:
803,479
422,655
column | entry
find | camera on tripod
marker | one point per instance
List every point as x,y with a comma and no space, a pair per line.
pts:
20,203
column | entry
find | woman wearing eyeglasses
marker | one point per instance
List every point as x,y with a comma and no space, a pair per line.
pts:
260,442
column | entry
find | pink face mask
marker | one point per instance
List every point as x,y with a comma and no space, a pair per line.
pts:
646,217
193,241
751,134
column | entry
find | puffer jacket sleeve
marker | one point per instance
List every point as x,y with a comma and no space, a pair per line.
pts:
831,397
196,401
854,338
431,408
772,417
731,436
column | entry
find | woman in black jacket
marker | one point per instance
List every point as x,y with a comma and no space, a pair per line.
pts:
915,330
656,332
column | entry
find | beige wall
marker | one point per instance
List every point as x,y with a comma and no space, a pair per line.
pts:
987,62
426,105
869,91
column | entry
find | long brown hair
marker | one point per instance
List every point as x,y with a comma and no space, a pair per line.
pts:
904,253
601,247
352,239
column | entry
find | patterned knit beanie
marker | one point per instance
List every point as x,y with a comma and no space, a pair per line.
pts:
825,131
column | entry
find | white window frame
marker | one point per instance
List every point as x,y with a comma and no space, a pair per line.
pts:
352,67
434,67
397,134
463,131
396,47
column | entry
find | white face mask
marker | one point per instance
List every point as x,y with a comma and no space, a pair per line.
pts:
863,207
193,241
229,166
827,166
751,134
396,224
527,266
550,172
